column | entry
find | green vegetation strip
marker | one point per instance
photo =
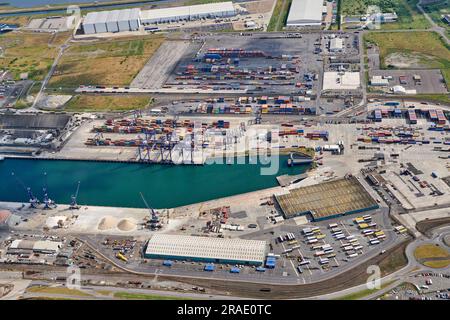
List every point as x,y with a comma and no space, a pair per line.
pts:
141,296
85,103
58,290
364,293
279,15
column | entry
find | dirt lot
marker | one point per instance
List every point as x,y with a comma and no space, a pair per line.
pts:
29,52
111,62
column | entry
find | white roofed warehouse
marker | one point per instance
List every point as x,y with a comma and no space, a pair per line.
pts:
305,13
209,10
112,21
205,249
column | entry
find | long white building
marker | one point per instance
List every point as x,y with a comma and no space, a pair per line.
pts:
305,13
209,10
206,249
112,21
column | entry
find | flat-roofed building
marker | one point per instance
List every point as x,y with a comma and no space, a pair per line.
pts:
336,44
305,13
209,10
206,249
40,246
112,21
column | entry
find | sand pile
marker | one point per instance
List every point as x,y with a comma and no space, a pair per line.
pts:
126,225
107,223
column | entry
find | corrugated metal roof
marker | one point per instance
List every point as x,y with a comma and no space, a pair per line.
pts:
206,248
91,18
305,11
40,245
124,15
202,9
113,16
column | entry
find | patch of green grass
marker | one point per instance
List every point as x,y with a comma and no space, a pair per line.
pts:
279,15
86,103
29,52
363,293
440,98
430,46
111,62
430,251
141,296
357,7
58,290
437,263
437,10
409,17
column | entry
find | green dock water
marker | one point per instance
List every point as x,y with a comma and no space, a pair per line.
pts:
119,184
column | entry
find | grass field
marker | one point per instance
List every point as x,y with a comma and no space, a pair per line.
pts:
58,290
139,296
437,263
363,293
436,11
29,52
356,7
112,62
434,53
84,103
427,251
409,17
279,15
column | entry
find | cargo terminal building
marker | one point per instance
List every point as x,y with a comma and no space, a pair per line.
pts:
305,13
327,200
205,249
132,19
209,10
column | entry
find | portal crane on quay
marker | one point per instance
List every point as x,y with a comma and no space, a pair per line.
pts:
73,199
32,199
154,222
48,203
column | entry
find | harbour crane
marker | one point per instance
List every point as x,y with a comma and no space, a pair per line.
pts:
73,202
154,220
33,200
48,203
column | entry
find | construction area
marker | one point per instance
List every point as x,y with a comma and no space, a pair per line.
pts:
327,200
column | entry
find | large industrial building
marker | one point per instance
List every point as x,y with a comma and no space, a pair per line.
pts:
209,10
305,13
131,19
112,21
327,200
205,249
40,246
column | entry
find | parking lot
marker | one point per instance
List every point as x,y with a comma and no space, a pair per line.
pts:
431,81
